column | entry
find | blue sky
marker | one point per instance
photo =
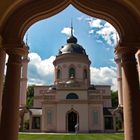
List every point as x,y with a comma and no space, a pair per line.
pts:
96,36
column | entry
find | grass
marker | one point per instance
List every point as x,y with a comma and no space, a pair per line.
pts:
71,137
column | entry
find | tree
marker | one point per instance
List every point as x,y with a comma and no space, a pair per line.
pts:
30,95
114,98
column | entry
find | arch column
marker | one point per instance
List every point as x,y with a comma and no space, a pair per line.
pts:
10,104
2,66
119,79
131,93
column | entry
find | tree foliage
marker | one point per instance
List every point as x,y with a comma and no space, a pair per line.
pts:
114,98
30,95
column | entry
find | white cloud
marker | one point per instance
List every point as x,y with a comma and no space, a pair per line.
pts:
91,32
103,29
108,33
40,71
104,76
95,23
67,31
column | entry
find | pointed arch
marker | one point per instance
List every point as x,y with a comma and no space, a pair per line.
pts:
76,119
37,10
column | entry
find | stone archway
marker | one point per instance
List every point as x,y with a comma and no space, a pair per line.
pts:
37,10
26,12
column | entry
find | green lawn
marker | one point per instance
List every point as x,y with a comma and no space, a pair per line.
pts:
71,137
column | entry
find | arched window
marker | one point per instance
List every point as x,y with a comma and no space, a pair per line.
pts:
58,73
71,72
72,96
85,74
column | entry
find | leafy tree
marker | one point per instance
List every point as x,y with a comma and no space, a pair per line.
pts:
30,95
114,98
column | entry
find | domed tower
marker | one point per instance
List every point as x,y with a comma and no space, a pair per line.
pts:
72,65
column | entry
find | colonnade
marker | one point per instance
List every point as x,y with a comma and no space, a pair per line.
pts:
9,125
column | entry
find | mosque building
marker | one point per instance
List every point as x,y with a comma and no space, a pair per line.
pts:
72,100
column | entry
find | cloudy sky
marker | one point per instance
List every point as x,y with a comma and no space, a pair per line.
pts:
46,37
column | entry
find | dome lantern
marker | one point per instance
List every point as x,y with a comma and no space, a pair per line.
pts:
72,47
72,39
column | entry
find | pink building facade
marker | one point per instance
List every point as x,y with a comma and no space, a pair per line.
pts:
72,101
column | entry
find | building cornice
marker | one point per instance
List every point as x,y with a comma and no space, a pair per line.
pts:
71,58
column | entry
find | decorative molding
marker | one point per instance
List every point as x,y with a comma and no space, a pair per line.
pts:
15,60
16,48
126,52
127,48
71,57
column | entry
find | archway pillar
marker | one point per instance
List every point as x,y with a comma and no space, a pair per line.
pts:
131,93
2,66
9,126
119,79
